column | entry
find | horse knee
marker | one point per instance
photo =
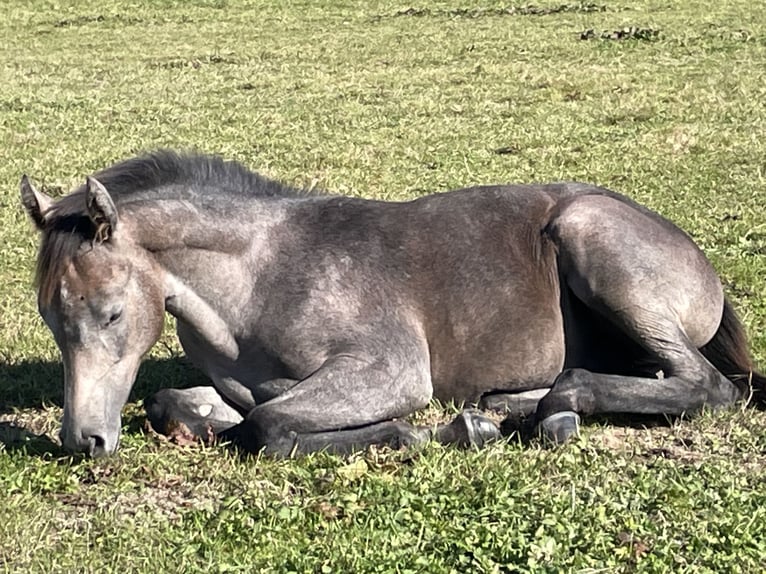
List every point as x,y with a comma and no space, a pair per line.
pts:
408,391
199,409
420,397
258,434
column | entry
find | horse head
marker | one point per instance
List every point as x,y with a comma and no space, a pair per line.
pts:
102,298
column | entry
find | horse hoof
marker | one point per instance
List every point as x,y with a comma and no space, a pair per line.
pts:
414,438
474,429
560,427
522,427
195,412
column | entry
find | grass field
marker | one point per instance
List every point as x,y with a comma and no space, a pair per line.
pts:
665,101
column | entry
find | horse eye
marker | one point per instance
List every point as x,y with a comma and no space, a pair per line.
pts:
114,318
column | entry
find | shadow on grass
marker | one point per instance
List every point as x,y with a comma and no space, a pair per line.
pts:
34,384
16,438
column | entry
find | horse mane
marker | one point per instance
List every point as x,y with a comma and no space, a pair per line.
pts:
160,174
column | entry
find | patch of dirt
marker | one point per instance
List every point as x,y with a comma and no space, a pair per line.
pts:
165,502
434,414
179,434
627,33
193,62
90,19
688,442
681,140
720,32
636,546
36,429
528,10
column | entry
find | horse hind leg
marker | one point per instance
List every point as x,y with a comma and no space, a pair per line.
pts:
652,283
692,385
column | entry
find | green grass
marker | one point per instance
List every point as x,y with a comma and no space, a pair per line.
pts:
388,100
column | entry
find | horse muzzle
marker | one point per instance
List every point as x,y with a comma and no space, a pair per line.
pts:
95,443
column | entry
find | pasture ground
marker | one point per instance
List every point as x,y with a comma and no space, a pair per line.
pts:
661,100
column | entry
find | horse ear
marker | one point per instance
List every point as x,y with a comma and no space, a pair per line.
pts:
36,203
101,209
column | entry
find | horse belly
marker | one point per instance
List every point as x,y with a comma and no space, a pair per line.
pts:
488,291
521,347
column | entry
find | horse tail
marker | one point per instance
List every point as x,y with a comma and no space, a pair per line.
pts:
728,352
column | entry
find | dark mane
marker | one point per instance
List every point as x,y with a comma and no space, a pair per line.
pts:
196,173
160,174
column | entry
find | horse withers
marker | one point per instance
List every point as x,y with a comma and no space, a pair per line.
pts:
322,320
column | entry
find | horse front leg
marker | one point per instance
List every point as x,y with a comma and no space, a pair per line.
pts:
198,411
350,403
469,429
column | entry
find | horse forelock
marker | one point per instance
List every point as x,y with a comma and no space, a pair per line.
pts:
67,227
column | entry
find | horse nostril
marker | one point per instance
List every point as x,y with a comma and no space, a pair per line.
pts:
96,446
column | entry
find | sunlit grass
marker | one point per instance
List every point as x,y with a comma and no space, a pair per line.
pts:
388,100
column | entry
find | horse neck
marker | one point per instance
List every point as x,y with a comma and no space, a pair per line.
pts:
173,225
209,257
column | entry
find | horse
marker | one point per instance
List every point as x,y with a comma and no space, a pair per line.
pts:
324,321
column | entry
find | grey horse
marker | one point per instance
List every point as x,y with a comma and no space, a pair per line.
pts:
322,320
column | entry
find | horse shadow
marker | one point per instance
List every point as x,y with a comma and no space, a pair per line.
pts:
38,384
